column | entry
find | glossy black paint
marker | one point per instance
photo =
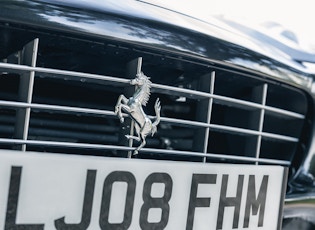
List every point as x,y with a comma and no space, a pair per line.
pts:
149,26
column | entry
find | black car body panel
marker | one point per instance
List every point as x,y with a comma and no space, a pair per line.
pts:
146,25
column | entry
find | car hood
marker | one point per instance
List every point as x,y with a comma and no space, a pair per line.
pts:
242,33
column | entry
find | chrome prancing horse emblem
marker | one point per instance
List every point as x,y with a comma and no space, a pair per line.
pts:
133,107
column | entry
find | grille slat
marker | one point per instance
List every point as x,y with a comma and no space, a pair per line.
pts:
222,128
68,109
207,114
145,150
4,67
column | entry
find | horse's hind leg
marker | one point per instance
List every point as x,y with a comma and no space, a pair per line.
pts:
133,137
122,100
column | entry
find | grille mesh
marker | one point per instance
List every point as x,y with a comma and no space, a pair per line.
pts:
65,105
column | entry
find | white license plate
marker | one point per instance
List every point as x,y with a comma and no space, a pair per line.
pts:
52,191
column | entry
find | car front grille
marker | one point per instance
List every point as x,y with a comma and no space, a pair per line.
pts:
209,113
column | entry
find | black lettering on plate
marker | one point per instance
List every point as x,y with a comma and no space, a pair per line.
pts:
195,201
253,203
150,202
117,176
12,205
87,206
230,201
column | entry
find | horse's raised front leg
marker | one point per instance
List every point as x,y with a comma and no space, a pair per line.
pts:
122,100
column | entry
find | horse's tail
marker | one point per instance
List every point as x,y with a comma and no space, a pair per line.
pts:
157,108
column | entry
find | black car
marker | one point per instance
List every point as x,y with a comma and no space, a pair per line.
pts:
224,99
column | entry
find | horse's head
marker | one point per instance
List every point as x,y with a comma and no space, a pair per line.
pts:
143,85
140,80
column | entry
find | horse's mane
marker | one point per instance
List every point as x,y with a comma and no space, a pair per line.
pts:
145,89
